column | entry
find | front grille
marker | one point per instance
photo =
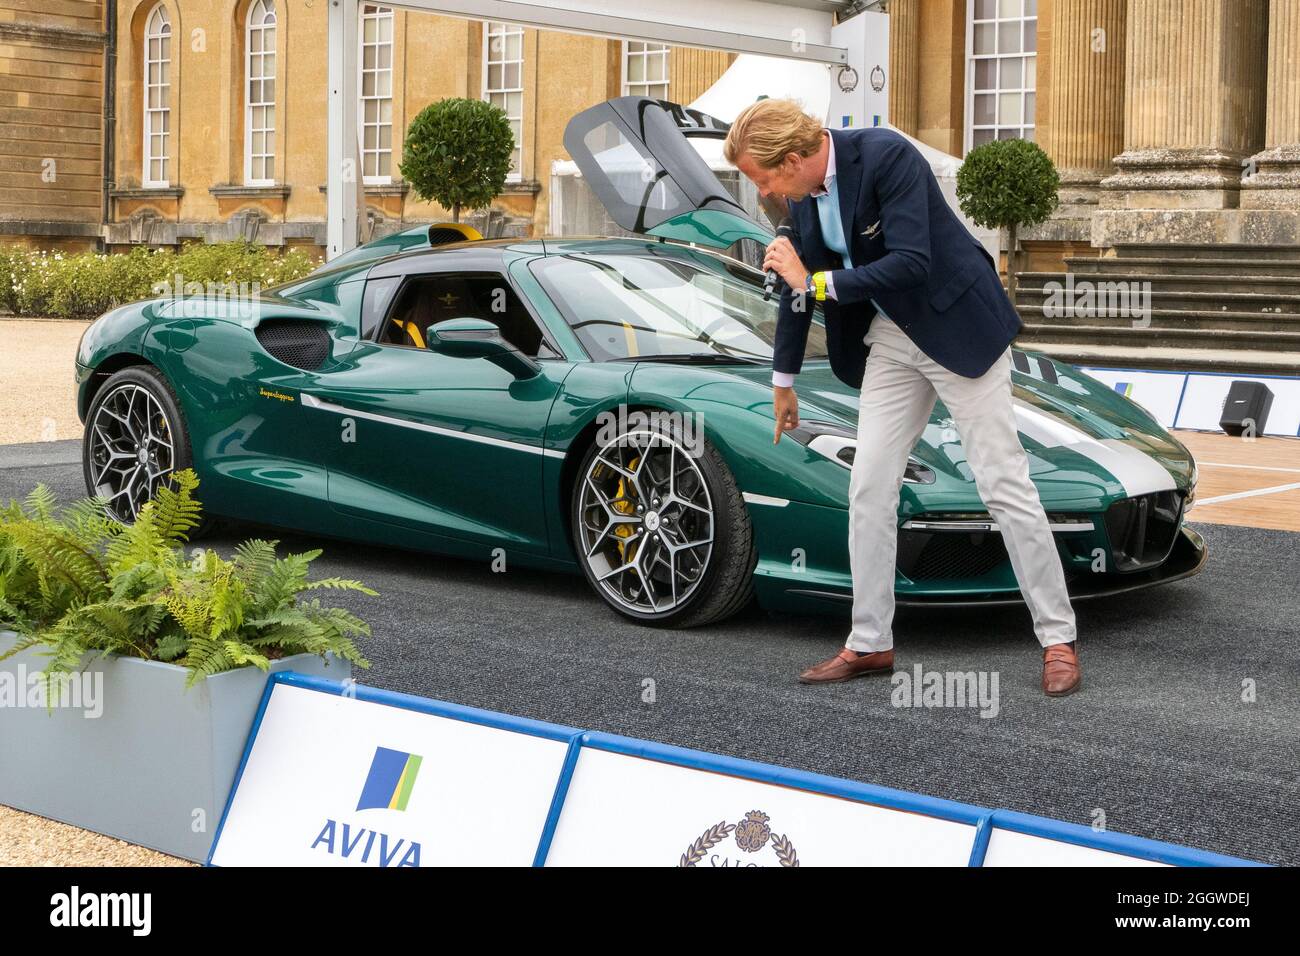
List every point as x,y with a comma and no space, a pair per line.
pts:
1142,529
948,556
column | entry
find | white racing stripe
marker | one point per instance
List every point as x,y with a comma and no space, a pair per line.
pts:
1137,471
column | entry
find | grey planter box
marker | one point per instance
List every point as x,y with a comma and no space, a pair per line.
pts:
155,767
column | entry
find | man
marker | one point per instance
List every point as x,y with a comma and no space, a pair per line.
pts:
914,310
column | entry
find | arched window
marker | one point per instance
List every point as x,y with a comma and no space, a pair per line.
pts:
259,111
376,114
157,97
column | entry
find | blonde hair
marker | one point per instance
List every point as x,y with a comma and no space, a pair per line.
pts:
770,129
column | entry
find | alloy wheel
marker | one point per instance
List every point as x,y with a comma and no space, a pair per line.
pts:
646,522
131,449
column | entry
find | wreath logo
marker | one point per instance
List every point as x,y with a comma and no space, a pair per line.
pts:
750,835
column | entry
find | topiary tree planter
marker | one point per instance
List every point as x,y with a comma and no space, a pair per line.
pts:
457,153
1007,184
157,764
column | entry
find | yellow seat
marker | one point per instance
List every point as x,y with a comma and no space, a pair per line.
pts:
412,331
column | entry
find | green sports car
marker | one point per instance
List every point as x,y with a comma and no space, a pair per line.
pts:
600,406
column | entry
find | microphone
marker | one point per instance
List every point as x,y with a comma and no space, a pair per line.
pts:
769,282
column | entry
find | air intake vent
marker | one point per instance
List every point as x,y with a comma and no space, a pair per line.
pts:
440,237
1142,529
300,344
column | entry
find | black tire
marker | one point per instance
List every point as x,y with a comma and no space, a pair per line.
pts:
155,385
727,584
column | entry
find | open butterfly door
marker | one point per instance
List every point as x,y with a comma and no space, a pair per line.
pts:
635,155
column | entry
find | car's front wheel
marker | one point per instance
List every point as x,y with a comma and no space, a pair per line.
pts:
135,438
660,527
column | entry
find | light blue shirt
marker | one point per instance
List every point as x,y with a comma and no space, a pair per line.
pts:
828,213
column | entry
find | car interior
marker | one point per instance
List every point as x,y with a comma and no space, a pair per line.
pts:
428,300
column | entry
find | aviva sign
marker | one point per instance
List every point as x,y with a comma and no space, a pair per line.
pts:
388,785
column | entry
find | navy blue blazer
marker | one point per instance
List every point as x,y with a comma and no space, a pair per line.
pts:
910,253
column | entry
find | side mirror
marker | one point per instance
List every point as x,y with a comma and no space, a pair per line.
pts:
469,337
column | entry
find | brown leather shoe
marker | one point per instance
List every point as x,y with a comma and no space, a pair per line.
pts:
847,664
1061,673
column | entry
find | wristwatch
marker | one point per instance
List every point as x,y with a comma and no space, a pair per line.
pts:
818,280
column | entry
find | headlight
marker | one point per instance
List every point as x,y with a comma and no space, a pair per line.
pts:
839,443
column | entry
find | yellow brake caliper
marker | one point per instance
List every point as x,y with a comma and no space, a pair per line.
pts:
623,506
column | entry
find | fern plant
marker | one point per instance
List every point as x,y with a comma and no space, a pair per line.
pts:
79,582
50,563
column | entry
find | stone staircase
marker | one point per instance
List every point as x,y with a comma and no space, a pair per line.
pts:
1229,308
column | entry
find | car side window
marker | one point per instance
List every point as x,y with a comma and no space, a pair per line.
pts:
426,300
375,302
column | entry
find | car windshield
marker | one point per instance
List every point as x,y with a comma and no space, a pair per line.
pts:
674,304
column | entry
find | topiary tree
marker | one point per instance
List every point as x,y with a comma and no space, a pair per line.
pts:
457,153
1006,184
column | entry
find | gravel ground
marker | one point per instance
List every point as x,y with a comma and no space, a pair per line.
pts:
38,400
27,840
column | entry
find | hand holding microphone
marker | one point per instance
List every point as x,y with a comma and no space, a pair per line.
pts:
786,230
782,262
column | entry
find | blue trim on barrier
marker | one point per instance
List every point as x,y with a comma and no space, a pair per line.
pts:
557,799
1181,395
783,776
1122,843
427,705
1168,371
984,821
243,761
980,847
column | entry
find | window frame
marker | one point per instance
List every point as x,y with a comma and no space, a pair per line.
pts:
410,278
380,14
249,105
968,124
510,29
147,112
645,54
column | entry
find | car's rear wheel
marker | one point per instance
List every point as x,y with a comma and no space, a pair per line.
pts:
660,528
135,438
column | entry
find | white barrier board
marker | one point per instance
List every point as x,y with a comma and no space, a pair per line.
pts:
1157,392
1195,400
1009,848
631,811
1203,403
335,781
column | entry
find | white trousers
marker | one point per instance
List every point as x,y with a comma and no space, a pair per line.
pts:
898,395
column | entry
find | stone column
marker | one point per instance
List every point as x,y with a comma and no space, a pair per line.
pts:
1086,89
1272,179
1085,93
905,65
1195,78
